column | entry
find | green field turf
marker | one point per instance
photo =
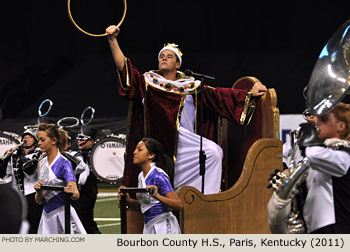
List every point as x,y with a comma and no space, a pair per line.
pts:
107,212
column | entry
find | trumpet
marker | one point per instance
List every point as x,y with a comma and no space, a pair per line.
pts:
9,153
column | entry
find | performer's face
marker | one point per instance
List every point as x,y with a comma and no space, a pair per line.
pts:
168,61
45,142
141,155
311,118
29,140
329,126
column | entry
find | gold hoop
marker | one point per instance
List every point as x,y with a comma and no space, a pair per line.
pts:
90,34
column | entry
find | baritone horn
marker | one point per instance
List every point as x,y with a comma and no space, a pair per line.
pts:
91,34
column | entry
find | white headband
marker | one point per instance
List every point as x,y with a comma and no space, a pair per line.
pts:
171,48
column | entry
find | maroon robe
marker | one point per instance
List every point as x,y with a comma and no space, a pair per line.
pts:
159,116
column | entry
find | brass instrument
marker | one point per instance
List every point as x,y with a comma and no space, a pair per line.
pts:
328,85
330,79
283,210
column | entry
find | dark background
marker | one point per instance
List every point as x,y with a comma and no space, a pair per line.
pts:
44,56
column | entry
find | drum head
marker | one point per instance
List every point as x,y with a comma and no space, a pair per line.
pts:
107,159
7,141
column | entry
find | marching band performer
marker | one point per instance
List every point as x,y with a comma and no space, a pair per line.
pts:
285,216
156,207
88,191
55,170
20,167
287,146
327,202
164,106
328,181
80,168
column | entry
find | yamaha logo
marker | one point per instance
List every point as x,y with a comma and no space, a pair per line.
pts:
5,141
111,145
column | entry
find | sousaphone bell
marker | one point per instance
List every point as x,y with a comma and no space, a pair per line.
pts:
330,79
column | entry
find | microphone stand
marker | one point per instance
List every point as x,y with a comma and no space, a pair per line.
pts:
202,156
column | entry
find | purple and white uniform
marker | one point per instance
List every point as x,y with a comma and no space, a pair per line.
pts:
59,173
158,218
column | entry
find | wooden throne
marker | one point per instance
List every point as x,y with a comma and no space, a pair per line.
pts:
251,153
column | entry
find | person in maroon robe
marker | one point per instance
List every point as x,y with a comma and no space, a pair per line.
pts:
164,105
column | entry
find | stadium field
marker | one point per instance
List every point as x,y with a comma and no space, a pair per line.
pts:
107,212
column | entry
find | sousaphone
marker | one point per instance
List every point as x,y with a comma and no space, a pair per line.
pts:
330,79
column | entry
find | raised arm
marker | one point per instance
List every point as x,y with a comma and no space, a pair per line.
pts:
118,55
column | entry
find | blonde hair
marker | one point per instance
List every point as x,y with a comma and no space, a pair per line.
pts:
342,113
53,131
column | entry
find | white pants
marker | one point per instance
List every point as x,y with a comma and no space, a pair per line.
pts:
187,163
53,222
165,223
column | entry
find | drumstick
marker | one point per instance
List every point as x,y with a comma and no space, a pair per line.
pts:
121,163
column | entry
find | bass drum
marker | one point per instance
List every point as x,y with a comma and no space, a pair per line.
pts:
107,159
7,141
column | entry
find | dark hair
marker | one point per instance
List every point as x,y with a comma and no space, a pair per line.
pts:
162,160
53,131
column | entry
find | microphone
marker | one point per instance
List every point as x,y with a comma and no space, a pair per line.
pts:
188,72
